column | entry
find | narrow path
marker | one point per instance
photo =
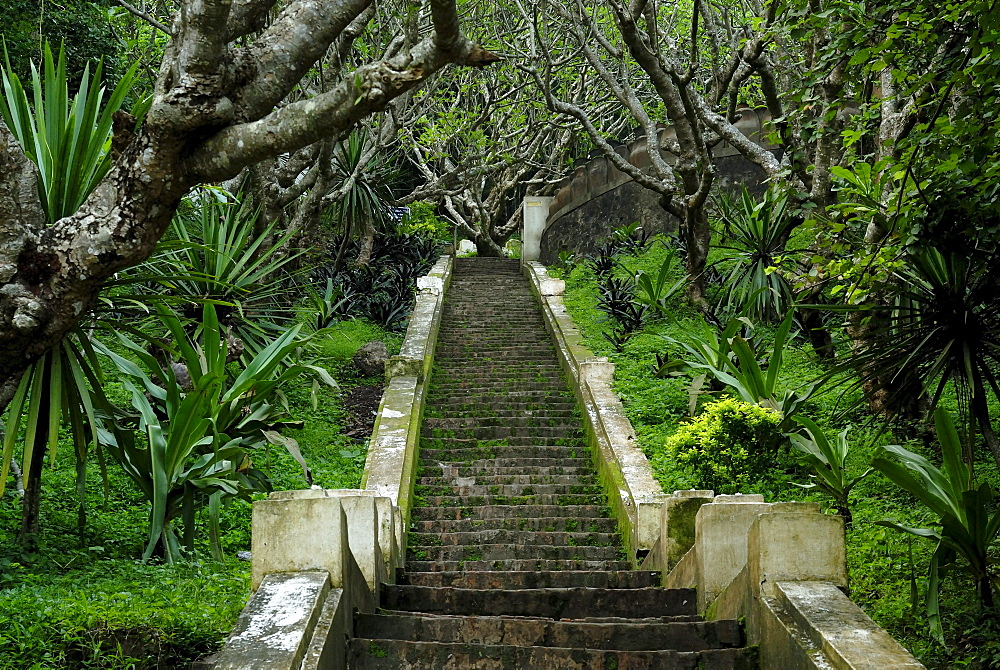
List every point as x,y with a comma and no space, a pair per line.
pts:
513,561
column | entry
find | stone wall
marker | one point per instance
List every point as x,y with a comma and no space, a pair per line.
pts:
598,198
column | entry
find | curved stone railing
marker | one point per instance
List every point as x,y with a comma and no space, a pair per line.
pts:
597,198
779,567
599,175
321,555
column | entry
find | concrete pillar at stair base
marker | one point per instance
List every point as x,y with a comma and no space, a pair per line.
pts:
720,538
796,547
296,535
536,211
370,524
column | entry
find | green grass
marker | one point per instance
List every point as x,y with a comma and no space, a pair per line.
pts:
879,558
85,602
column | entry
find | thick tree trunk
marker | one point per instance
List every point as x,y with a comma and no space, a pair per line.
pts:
367,244
216,109
698,237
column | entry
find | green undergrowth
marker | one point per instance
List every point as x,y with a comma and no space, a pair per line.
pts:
886,566
82,600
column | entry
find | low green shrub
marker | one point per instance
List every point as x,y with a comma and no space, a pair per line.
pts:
730,447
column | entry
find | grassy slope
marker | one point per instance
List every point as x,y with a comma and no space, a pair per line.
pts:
57,605
879,558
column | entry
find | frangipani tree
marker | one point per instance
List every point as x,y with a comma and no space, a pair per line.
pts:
218,106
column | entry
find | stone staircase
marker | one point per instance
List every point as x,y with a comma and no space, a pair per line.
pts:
513,561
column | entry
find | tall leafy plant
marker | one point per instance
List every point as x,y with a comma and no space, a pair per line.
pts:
69,139
215,253
201,424
968,523
737,362
758,233
942,333
827,457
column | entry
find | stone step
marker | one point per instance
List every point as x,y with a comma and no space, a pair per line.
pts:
627,579
508,404
539,632
510,467
502,432
537,524
486,536
376,654
451,449
581,512
556,603
444,489
516,565
526,500
504,552
513,479
512,367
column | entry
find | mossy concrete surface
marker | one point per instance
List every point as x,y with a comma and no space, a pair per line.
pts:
781,567
392,455
634,495
275,627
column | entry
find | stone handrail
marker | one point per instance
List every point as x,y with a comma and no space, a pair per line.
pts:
321,555
635,497
781,567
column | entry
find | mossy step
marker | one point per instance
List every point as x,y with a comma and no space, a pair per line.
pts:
467,454
515,478
544,524
624,579
500,552
516,565
457,406
557,603
626,635
504,466
379,654
478,536
440,488
522,421
545,499
501,415
579,512
535,433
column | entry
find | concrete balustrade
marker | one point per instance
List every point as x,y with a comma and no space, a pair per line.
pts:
782,568
634,496
319,555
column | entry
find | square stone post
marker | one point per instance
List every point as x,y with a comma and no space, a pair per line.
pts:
721,529
294,535
536,212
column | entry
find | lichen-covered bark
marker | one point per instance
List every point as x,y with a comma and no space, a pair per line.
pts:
213,114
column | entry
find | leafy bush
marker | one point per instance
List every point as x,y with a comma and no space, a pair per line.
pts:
422,221
382,290
730,447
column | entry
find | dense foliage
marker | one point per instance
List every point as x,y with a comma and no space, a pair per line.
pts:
824,454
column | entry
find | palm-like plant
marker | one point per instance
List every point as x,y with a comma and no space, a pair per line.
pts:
364,193
215,254
201,424
69,142
828,459
758,233
942,332
736,361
